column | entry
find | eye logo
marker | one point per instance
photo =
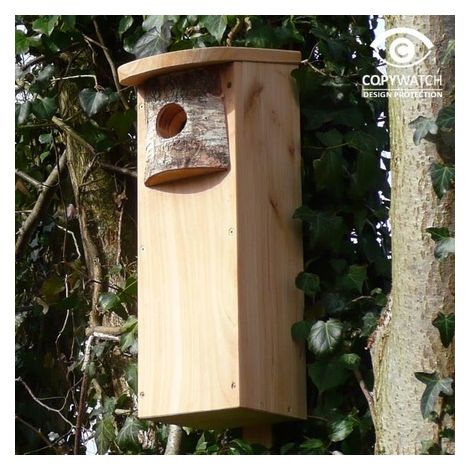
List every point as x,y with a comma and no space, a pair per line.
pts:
402,50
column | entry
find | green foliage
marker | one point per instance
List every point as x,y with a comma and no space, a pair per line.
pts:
442,177
128,436
105,433
324,337
308,282
445,242
423,126
446,326
344,215
446,118
435,385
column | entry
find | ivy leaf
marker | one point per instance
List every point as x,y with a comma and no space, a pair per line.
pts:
308,282
340,429
446,117
442,177
128,337
22,111
327,374
92,101
446,326
355,277
154,41
128,436
131,376
44,108
423,126
324,229
445,243
312,446
124,24
444,248
157,21
350,361
45,24
369,323
46,73
324,337
215,25
300,330
438,233
105,432
435,385
331,138
21,42
329,169
109,301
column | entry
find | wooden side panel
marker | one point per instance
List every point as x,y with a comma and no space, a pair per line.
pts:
188,305
272,365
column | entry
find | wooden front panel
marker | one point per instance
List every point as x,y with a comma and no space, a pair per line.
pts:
272,365
186,126
188,305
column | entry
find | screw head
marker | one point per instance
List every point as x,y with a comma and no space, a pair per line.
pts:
141,394
231,231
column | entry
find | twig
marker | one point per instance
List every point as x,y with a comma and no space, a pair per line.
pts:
39,402
74,239
107,330
106,336
365,390
68,310
319,418
233,32
81,412
40,207
118,169
48,443
78,76
35,61
29,179
60,123
173,444
111,65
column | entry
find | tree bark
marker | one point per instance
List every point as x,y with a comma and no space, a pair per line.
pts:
173,445
407,342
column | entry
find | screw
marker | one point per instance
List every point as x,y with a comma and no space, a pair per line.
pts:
231,231
141,394
233,385
142,248
141,106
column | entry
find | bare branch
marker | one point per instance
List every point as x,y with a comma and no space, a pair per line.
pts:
111,65
118,169
365,390
39,402
48,443
29,179
40,207
173,444
60,123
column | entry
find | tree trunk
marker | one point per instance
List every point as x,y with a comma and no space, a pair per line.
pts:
99,207
407,342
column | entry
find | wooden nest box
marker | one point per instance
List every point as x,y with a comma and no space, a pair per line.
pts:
218,182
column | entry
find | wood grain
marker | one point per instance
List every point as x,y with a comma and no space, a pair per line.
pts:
138,71
218,256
